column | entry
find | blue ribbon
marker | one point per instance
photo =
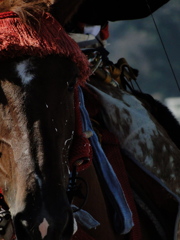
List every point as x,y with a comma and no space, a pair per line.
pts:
122,215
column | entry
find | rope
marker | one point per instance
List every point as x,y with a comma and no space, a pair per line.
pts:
164,48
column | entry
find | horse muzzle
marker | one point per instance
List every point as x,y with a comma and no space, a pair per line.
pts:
44,225
61,229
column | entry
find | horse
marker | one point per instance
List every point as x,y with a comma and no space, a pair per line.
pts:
25,123
38,97
40,67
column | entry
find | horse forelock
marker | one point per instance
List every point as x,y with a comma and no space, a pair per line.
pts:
26,10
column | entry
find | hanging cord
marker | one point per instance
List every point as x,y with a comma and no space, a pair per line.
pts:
75,189
138,86
172,70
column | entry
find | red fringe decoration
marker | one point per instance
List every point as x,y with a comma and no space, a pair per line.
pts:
18,39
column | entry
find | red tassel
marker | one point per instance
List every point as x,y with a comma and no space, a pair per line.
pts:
104,33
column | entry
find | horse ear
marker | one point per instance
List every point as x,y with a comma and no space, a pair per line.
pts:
64,10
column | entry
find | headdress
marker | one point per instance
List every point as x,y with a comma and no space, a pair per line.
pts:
19,39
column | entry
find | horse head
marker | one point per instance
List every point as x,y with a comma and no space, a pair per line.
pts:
36,131
39,69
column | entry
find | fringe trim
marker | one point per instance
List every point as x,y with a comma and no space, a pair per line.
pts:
18,39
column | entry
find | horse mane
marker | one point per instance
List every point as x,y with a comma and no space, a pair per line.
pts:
27,10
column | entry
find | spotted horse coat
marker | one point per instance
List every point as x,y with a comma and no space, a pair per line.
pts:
150,156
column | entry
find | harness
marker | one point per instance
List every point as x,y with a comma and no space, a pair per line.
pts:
117,75
111,185
120,74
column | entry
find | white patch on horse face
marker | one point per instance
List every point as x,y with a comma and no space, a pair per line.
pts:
43,228
22,69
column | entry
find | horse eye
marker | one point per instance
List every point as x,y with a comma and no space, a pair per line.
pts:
72,83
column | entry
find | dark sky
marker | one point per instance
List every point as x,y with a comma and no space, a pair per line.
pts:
152,45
